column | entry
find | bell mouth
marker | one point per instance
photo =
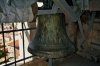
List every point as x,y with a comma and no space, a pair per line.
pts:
57,54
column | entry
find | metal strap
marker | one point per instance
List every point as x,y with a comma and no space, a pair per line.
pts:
84,36
81,28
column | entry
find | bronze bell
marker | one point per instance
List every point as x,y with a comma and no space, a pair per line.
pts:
51,40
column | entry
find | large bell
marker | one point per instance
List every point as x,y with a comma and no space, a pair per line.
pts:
51,40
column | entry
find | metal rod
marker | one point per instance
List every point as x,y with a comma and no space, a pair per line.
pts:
3,35
18,61
23,43
17,30
14,44
4,43
50,62
20,30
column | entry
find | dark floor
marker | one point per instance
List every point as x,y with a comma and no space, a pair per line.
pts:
77,60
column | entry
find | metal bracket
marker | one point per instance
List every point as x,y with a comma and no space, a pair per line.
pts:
54,8
41,12
72,15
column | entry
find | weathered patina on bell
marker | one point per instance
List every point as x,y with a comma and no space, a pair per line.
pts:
51,40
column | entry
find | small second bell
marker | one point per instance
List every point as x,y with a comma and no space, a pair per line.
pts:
51,40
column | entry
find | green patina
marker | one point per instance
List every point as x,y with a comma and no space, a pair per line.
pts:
51,39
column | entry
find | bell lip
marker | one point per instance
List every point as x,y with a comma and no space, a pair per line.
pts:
58,54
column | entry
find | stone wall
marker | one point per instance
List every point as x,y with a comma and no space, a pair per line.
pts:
91,47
